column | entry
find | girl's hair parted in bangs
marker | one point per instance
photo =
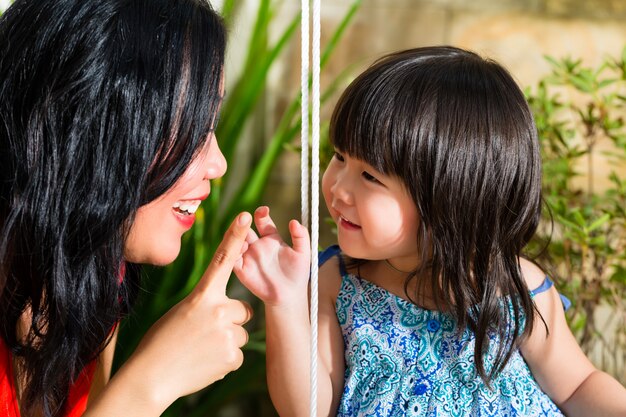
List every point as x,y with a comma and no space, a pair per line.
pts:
456,130
103,105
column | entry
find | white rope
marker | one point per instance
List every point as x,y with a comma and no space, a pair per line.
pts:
304,113
315,168
315,173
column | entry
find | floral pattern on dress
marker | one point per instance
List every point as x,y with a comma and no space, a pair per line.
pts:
403,360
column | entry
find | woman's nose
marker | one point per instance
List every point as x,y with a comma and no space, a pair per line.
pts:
217,164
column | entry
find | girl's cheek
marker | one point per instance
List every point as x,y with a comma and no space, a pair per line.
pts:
326,185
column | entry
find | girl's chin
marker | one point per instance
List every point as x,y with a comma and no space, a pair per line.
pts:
349,249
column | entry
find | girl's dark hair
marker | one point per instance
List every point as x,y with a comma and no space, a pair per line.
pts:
103,105
456,130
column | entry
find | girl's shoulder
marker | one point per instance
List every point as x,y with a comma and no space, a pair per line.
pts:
538,282
532,273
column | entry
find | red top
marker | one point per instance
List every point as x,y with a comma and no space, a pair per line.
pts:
75,405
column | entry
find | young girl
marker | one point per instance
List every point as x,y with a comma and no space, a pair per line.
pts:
426,306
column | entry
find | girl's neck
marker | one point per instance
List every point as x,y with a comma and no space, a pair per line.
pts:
404,265
394,280
396,269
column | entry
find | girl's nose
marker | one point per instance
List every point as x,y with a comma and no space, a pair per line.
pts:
342,191
216,166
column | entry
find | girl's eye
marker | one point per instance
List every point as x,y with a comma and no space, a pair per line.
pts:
339,157
370,177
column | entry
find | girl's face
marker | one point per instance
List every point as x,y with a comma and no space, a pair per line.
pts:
155,235
375,215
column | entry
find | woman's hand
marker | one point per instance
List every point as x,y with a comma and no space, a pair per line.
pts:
272,270
193,345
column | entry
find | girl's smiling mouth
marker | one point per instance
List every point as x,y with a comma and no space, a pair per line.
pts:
347,224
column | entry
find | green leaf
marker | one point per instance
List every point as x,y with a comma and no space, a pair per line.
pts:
619,276
552,61
229,10
338,33
582,84
573,226
598,222
607,82
578,218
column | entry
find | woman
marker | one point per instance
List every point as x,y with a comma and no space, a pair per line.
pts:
107,111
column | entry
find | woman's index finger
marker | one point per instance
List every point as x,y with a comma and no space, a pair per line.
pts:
218,272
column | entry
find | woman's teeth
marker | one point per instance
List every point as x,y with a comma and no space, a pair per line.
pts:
186,207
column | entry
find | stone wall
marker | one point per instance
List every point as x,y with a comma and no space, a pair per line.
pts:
516,33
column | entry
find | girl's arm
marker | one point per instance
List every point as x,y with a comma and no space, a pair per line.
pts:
193,345
279,276
288,353
330,345
560,366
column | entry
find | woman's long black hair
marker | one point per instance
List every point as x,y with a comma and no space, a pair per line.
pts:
456,130
103,105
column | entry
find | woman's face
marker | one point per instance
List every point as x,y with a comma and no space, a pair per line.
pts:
155,235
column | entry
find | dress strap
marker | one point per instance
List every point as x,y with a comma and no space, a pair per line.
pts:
545,286
328,253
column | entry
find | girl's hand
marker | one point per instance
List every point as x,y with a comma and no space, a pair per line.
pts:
193,345
272,270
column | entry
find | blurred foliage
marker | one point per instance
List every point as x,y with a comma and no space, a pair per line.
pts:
580,113
243,392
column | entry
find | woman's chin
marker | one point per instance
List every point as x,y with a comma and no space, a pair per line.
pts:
160,255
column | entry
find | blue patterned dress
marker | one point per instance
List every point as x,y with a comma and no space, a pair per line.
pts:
403,360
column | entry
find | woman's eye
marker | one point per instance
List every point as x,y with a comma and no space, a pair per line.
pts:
369,177
339,157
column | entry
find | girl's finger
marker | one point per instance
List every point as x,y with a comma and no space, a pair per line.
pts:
264,223
251,237
299,237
